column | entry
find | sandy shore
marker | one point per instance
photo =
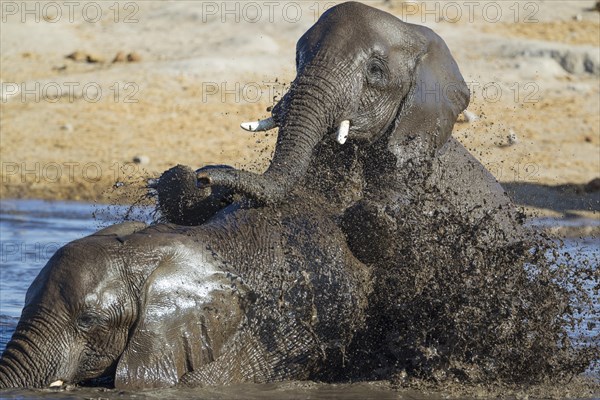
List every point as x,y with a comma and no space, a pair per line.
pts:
72,127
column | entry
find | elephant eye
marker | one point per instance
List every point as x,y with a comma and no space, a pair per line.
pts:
376,71
87,321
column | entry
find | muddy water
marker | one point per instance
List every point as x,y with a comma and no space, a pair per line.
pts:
31,231
280,391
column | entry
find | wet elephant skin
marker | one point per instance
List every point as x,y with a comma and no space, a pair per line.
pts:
271,278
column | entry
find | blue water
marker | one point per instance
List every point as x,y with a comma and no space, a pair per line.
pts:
32,230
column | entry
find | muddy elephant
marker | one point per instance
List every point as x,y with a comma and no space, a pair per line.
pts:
367,125
273,285
255,295
363,77
370,114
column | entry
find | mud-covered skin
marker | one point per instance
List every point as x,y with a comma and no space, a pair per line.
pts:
438,240
182,202
364,65
256,295
445,245
402,91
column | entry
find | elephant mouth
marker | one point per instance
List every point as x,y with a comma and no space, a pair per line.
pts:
345,130
341,133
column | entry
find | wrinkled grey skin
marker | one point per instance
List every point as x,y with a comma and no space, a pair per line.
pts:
402,91
400,152
396,82
273,292
255,295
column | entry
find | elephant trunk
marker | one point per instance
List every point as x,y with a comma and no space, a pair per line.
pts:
311,109
29,360
306,120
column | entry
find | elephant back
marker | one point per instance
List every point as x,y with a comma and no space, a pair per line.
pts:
308,292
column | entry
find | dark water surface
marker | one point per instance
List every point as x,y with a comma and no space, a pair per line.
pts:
32,230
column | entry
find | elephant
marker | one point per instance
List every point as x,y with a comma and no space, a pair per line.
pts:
367,125
255,295
392,91
371,78
265,277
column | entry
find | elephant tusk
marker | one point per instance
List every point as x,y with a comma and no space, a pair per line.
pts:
342,133
258,126
57,383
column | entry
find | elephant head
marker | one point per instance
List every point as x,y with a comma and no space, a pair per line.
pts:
120,308
365,76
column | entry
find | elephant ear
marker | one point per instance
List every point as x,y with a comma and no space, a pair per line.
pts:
437,96
188,310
